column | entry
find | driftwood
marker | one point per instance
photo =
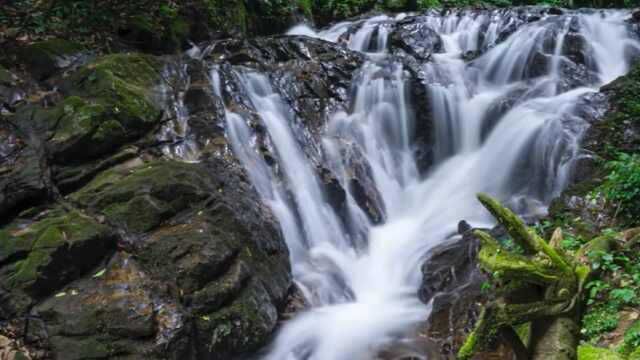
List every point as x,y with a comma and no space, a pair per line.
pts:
551,282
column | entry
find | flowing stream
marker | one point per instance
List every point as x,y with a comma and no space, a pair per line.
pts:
506,122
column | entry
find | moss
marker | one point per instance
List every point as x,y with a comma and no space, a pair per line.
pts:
142,197
635,355
589,352
110,104
46,246
496,260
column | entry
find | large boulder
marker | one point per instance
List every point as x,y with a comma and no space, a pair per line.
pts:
108,248
201,270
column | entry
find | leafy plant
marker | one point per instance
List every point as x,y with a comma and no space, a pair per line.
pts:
622,185
598,321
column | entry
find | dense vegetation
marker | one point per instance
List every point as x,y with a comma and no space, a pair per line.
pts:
166,24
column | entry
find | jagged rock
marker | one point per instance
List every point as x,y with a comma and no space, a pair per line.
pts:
202,271
414,37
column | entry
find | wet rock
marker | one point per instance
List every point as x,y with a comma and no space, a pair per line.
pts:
312,75
452,281
10,91
40,255
22,178
140,199
46,58
108,104
202,270
415,38
113,313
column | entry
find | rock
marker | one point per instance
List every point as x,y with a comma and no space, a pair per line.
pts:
109,103
22,178
39,256
224,261
452,281
10,92
414,37
140,199
313,76
201,272
46,58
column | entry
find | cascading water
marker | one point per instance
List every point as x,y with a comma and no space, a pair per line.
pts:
361,279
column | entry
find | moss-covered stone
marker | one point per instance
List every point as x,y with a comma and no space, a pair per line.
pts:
39,256
111,103
590,352
46,57
141,198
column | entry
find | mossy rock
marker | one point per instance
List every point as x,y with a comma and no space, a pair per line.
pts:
590,352
45,58
40,256
142,197
110,313
111,102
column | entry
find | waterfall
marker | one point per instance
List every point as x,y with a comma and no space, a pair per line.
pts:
360,278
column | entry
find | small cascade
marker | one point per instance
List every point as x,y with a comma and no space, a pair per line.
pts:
504,92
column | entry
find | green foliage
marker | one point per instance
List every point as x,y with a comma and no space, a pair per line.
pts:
598,321
616,288
632,336
622,185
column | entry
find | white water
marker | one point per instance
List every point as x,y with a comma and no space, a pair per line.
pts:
361,279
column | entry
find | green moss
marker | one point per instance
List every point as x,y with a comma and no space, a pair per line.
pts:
589,352
44,244
635,355
142,197
111,103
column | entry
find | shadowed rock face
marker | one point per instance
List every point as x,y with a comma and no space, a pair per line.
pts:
108,248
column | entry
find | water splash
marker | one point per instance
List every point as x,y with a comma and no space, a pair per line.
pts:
361,279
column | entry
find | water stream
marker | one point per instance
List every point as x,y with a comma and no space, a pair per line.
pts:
362,279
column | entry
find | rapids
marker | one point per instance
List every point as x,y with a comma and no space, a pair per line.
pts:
504,92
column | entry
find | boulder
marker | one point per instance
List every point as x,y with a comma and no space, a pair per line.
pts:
414,37
45,252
